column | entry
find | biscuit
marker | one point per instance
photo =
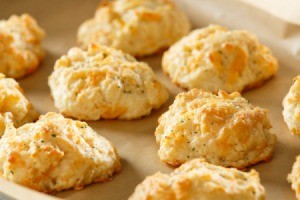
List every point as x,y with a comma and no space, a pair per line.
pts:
5,118
14,106
294,177
138,27
104,83
225,129
214,58
56,154
291,107
197,179
20,46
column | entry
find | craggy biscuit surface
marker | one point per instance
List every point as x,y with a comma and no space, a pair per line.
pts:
138,27
56,154
225,129
294,177
14,106
20,46
104,83
291,107
200,180
214,58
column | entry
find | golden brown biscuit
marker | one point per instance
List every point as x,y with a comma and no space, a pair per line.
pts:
138,27
291,107
197,179
14,106
214,58
104,83
294,177
56,154
225,129
20,41
5,119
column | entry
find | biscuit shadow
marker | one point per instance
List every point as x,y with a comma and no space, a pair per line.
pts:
120,187
272,91
36,87
283,159
38,80
154,61
145,124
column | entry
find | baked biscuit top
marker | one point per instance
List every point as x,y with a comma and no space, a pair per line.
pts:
138,27
214,58
55,154
14,106
21,51
104,83
225,129
294,177
197,179
291,107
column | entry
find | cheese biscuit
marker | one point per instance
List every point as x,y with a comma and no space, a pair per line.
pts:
294,177
291,107
104,83
14,106
225,129
197,179
214,58
55,154
20,46
138,27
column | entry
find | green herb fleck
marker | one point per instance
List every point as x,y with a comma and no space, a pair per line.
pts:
222,175
127,91
83,126
53,135
12,172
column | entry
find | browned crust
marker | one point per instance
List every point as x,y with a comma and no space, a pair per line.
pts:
104,3
81,187
160,51
121,119
257,84
245,89
176,164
